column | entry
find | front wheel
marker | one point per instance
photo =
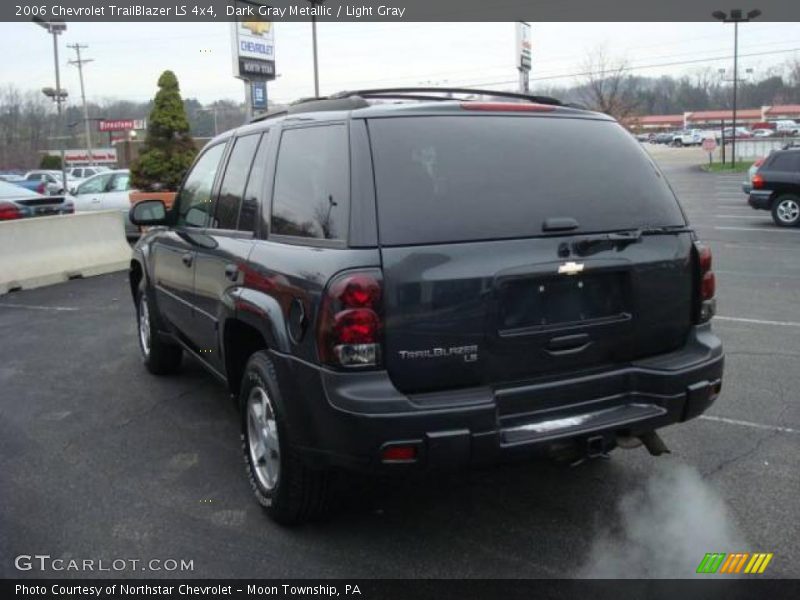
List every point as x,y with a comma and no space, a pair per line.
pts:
786,211
160,357
290,491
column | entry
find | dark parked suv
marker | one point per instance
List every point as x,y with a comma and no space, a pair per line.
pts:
776,187
392,280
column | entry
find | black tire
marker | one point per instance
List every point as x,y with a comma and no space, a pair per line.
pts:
160,357
786,211
298,493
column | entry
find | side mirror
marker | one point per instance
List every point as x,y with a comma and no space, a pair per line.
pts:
148,212
73,191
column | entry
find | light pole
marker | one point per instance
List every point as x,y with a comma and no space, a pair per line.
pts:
736,16
314,4
55,28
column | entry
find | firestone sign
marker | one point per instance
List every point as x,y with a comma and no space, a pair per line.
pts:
524,46
122,124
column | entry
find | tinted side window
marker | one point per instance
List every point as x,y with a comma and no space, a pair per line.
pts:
194,200
232,188
788,161
312,183
255,184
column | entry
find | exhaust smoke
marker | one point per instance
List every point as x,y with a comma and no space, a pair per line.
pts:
664,529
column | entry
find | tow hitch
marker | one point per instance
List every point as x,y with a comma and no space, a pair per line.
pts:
595,447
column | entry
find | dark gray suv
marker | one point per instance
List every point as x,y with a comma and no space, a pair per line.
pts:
392,280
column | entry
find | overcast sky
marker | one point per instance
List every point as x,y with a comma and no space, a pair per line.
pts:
128,57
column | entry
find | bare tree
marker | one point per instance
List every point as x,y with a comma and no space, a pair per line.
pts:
793,77
606,85
26,122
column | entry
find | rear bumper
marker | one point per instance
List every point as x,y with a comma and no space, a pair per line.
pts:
348,418
760,200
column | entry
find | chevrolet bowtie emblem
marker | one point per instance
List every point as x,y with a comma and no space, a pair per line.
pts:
257,27
570,268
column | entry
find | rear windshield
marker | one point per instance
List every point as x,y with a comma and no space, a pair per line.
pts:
449,179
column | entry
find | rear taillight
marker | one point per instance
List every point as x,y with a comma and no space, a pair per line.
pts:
758,182
706,285
9,211
350,325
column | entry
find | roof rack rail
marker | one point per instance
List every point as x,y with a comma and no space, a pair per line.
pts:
423,93
313,104
353,99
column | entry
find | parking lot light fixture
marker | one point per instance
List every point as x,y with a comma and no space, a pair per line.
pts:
56,28
735,17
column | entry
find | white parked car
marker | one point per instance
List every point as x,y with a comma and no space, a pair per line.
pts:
85,172
692,137
762,133
109,190
55,188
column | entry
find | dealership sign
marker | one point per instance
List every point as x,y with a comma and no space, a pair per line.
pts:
253,49
122,124
80,156
523,46
258,91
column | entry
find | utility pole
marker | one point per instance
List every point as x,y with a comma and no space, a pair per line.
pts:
213,111
248,106
316,64
735,85
79,63
314,4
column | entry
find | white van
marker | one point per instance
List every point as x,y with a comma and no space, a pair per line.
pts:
787,126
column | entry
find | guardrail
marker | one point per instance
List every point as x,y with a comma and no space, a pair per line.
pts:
41,251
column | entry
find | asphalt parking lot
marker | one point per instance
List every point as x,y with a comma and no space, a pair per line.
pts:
100,460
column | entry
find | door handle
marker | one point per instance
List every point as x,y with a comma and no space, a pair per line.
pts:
232,271
187,259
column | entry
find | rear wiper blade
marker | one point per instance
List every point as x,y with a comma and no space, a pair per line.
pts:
665,229
620,239
634,235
